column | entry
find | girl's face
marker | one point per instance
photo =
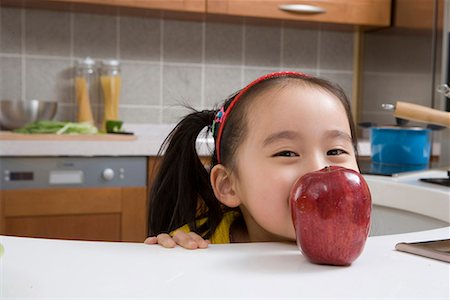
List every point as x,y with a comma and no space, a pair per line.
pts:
291,131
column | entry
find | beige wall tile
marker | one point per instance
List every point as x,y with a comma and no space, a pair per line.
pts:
336,50
173,114
95,36
397,53
223,43
11,30
49,79
47,33
262,45
182,84
182,41
140,114
140,38
220,83
10,78
141,83
300,48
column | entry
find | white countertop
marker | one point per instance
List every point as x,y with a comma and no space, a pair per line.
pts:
148,141
406,192
40,268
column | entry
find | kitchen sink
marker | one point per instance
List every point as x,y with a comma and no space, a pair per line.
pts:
403,203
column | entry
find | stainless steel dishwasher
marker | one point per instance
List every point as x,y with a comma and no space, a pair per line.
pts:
87,198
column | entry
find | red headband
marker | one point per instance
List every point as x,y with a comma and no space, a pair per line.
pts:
222,115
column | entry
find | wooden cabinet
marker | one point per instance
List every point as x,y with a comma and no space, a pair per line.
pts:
197,6
357,12
418,14
349,12
178,5
102,214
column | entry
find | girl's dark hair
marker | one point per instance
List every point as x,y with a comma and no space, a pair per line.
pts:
181,192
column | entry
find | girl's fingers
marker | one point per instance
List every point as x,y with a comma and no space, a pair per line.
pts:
184,240
151,240
189,240
201,243
166,241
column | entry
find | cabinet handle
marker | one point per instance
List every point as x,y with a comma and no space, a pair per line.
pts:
302,9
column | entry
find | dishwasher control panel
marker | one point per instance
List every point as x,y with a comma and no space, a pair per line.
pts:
50,172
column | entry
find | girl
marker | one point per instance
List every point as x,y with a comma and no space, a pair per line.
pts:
278,128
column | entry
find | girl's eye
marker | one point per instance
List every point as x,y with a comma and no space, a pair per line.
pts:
336,152
286,154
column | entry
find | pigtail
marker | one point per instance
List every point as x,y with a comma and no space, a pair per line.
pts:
181,189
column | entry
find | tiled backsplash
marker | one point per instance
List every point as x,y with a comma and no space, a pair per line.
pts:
165,62
397,67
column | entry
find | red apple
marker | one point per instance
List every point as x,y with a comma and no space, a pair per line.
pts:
331,214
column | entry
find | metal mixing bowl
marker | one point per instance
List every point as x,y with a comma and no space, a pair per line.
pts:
16,114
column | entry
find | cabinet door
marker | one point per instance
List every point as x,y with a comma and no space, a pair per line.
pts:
102,214
416,14
175,5
357,12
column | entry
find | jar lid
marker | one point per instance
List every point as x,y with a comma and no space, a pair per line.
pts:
86,62
110,62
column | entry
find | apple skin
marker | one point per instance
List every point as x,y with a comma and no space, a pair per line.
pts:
331,214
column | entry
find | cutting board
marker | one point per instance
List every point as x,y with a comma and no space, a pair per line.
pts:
12,136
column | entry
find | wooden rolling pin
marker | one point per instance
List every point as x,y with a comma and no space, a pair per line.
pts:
423,114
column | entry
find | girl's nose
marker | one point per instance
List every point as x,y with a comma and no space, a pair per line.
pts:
316,162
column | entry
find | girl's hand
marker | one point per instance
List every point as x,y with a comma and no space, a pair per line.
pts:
189,240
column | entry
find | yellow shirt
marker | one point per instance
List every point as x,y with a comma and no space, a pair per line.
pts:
222,233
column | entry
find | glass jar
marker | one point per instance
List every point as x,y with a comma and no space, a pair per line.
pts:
85,78
110,81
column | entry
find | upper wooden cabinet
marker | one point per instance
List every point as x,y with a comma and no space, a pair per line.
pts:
371,13
418,14
197,6
355,12
178,5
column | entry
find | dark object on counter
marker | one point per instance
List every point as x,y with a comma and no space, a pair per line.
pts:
390,169
440,181
122,132
439,249
115,127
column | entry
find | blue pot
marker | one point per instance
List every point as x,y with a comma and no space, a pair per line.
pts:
401,145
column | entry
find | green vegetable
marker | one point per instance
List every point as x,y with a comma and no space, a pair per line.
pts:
56,127
113,126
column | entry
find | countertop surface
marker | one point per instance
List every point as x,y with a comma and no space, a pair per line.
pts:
406,192
147,143
43,268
